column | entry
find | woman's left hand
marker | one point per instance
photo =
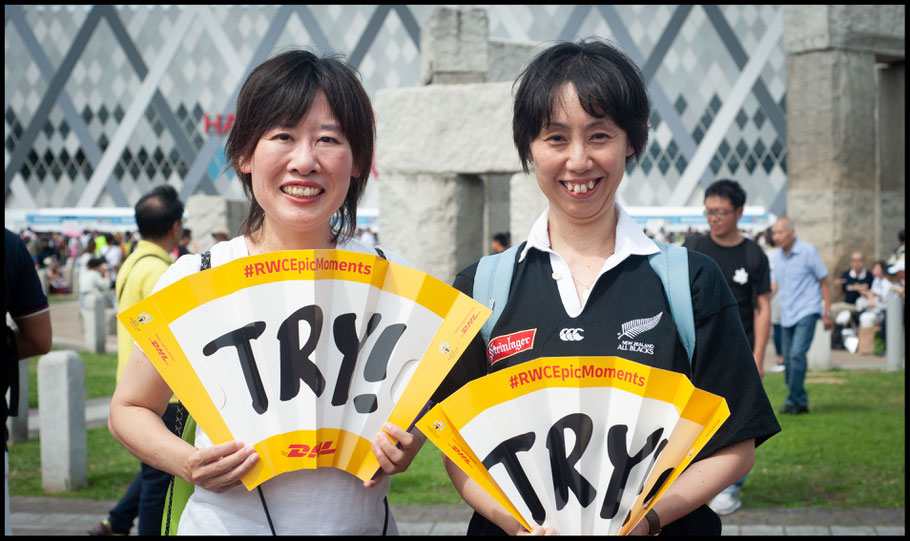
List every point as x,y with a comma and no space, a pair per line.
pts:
394,459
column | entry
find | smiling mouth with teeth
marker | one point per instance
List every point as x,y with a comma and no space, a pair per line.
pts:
301,191
579,187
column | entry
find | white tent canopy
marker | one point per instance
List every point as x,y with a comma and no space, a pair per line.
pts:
755,219
71,219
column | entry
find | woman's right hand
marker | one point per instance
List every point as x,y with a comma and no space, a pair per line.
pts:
219,468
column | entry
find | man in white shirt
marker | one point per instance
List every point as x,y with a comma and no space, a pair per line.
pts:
94,279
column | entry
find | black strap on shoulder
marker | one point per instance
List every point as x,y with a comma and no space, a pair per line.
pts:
380,252
266,509
385,525
132,266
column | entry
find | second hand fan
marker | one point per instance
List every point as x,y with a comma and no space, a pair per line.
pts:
305,354
582,444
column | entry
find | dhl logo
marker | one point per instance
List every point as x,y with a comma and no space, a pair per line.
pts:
302,450
160,351
463,456
471,320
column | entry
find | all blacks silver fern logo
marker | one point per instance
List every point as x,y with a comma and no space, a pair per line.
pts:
632,329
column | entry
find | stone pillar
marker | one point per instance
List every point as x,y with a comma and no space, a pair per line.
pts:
69,273
507,58
444,153
891,142
61,414
434,141
496,199
894,348
833,186
526,204
818,358
434,221
453,46
206,213
94,321
831,191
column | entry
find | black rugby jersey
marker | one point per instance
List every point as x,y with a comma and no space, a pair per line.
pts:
627,315
746,269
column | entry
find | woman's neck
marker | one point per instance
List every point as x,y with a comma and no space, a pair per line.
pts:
595,239
270,238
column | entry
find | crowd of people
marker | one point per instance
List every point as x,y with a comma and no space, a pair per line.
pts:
51,251
302,146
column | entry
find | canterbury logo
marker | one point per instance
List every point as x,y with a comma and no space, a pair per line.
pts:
637,326
571,335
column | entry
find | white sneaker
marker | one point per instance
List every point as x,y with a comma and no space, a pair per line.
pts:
725,503
777,368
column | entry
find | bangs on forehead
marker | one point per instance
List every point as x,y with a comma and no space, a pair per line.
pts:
293,102
593,103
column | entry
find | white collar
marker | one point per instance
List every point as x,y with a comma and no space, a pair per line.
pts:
630,238
862,275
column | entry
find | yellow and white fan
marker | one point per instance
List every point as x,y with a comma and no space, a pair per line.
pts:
582,444
305,353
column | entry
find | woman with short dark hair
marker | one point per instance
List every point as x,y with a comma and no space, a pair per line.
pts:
580,116
302,145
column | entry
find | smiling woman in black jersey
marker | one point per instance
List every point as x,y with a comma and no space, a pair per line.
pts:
580,116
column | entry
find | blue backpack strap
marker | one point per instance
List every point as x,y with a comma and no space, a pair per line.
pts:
491,285
672,266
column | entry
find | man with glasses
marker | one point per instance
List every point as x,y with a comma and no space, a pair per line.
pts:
745,266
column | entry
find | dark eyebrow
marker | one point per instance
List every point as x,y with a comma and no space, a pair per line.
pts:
330,127
604,122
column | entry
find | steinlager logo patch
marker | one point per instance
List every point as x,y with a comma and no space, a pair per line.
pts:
505,346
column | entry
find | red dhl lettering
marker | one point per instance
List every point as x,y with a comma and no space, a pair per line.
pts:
467,325
460,453
302,450
160,350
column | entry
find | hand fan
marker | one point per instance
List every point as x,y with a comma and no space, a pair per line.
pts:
305,354
583,444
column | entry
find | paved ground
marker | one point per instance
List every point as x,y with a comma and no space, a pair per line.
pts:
63,516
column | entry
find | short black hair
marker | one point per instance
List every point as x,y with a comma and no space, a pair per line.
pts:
157,211
606,80
95,262
279,92
729,190
503,239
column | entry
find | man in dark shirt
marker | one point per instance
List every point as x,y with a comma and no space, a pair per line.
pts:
26,303
855,279
745,268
